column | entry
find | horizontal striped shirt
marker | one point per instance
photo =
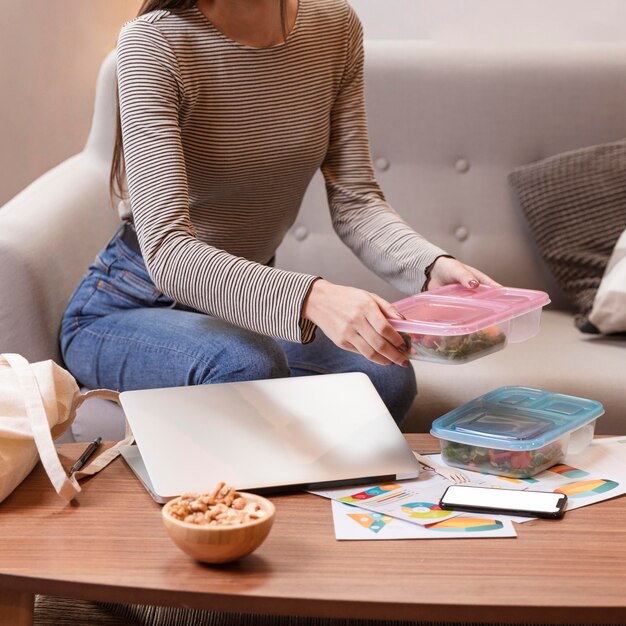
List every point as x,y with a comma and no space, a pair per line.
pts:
220,142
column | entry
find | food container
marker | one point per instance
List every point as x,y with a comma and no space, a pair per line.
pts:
516,431
457,325
220,544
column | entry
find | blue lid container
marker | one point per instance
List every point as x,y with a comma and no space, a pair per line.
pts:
516,431
516,418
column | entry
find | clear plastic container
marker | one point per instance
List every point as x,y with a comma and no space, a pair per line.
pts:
516,431
457,325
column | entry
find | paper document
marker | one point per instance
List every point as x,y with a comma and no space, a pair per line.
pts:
410,510
354,523
415,501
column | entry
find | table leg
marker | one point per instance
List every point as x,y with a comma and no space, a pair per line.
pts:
16,608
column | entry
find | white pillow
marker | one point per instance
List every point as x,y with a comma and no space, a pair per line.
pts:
608,313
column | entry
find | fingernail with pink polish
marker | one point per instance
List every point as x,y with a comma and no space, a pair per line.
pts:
473,284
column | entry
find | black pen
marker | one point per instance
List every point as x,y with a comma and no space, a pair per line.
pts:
85,456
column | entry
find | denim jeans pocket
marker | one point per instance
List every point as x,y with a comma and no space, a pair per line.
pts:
120,297
131,285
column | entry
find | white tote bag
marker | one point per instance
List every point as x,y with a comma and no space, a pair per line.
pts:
38,403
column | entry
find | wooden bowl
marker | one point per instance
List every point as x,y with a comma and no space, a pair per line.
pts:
220,544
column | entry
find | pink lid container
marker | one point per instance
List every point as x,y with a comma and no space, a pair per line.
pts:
454,324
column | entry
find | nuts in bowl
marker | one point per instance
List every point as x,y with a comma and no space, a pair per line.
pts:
219,526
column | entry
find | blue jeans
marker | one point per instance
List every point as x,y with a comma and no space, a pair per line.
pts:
119,331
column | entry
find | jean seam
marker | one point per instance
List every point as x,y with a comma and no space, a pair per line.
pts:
77,316
100,265
114,291
134,261
309,366
150,290
140,282
147,343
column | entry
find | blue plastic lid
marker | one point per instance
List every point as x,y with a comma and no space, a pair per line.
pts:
516,418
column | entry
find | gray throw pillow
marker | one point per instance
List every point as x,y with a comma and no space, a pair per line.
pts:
575,205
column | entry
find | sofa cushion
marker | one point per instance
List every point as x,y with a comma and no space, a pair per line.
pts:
558,359
575,204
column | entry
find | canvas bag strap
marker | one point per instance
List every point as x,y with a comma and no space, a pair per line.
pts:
112,453
65,486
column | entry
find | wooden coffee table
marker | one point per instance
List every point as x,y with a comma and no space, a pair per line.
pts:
110,545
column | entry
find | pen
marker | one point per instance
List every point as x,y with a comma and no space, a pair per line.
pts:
85,456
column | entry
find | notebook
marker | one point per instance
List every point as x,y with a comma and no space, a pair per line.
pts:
266,436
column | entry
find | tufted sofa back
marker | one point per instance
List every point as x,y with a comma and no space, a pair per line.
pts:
446,127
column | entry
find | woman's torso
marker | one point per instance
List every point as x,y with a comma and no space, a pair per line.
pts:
254,122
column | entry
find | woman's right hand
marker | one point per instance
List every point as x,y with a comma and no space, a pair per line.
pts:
355,320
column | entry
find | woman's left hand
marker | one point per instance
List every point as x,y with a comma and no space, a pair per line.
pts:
447,271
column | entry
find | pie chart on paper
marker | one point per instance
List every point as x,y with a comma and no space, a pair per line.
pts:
587,488
467,524
424,510
568,471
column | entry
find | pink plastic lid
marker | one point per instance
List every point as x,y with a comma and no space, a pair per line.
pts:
457,310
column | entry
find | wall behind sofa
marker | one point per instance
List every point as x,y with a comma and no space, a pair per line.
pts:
494,21
50,52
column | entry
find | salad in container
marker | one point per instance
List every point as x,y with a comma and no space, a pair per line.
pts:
516,431
456,325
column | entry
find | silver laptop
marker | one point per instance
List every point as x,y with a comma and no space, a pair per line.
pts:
266,435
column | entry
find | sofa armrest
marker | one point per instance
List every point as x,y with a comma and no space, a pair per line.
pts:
48,235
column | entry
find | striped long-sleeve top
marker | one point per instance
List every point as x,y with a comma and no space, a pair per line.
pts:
220,142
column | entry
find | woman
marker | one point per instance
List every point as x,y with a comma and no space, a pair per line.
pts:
228,107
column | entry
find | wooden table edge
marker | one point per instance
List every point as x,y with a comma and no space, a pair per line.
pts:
18,592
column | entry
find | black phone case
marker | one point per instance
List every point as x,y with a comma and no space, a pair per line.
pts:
479,509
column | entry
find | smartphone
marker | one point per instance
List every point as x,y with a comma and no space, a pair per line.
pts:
504,501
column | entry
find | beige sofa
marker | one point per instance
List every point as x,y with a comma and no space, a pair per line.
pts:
446,126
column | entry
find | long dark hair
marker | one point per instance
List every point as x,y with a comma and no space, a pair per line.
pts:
118,173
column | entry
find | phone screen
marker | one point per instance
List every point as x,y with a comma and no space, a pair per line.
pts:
485,499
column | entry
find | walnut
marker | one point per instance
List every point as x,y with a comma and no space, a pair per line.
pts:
221,507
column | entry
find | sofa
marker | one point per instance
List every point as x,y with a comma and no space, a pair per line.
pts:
447,125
